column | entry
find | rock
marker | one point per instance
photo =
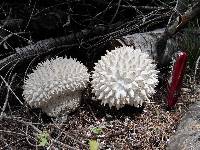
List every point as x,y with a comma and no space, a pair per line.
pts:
148,42
187,136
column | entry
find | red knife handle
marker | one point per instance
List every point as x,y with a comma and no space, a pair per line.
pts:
176,78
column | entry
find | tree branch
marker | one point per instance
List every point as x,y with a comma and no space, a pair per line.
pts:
41,47
182,20
178,24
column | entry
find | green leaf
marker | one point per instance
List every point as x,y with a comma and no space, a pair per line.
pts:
94,145
43,138
97,130
43,142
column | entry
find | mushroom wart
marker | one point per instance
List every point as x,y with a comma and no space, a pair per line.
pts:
55,85
124,76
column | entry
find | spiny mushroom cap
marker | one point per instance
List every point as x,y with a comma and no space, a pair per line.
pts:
124,76
53,78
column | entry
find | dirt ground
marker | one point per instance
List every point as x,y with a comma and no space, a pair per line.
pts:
148,127
26,22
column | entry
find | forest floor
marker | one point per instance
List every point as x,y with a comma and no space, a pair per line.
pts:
27,22
128,128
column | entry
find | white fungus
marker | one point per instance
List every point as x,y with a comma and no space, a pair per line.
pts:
55,85
124,76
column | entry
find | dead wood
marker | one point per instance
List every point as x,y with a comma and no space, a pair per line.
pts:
183,19
41,47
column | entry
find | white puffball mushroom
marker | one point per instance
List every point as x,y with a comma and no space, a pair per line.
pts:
55,85
124,76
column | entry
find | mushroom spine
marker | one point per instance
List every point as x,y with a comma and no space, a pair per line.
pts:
55,85
124,76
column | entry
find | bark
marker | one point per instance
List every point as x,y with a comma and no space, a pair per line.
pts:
41,47
158,43
178,24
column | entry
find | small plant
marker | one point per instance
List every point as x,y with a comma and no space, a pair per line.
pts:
94,145
97,130
43,139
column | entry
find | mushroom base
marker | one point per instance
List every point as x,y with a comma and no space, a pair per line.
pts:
62,104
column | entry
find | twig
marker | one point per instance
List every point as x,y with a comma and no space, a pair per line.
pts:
6,144
62,144
63,132
39,131
119,3
197,65
142,7
5,38
8,61
8,86
8,73
30,16
6,101
27,139
12,33
182,20
12,132
75,139
41,47
178,24
125,31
